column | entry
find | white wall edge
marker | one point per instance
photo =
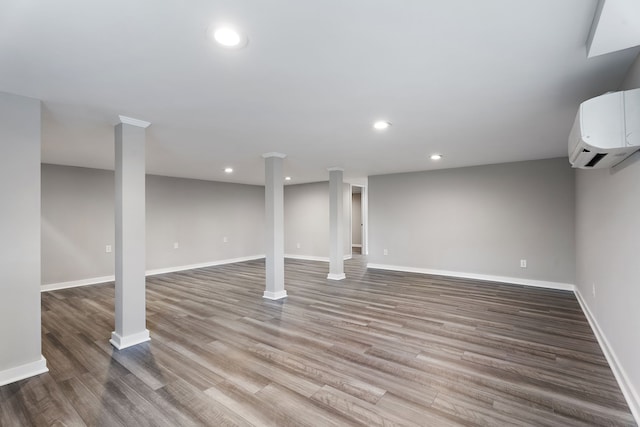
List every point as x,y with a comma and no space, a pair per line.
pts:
628,390
313,258
22,372
484,277
112,278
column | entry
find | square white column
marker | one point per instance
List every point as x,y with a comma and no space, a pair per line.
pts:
130,302
20,330
274,223
336,225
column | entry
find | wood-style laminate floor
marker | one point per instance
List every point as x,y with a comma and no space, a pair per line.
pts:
378,349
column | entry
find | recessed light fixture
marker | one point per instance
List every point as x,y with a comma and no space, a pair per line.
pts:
228,170
436,156
381,125
229,37
287,178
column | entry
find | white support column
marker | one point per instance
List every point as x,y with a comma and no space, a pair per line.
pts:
130,305
20,330
336,225
274,216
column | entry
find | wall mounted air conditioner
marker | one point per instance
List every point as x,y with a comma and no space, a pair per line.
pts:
606,130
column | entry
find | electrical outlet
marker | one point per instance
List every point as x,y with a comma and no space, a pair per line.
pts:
107,249
523,263
385,252
225,239
298,245
593,289
176,245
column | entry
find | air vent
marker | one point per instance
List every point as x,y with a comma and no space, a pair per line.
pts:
596,159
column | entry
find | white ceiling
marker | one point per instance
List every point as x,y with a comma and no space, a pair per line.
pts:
479,81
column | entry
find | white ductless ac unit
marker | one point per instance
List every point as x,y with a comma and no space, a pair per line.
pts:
606,130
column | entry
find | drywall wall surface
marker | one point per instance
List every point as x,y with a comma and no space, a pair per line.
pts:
346,225
78,222
20,342
607,250
632,79
208,221
356,219
306,220
480,220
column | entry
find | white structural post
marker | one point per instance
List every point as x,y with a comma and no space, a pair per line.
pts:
20,330
130,306
336,225
274,216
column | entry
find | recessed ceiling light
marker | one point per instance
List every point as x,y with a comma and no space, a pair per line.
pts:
287,178
228,170
381,125
229,37
436,156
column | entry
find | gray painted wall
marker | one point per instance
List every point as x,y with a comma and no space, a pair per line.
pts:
20,227
346,207
356,219
477,220
78,222
306,219
607,251
632,79
199,215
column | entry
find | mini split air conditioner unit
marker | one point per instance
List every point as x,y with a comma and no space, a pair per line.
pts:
606,130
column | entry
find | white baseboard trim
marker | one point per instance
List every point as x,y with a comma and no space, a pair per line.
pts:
628,390
314,258
112,278
332,276
307,257
484,277
121,342
76,283
22,372
274,295
202,265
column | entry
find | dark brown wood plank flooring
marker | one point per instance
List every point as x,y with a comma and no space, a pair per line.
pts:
378,349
